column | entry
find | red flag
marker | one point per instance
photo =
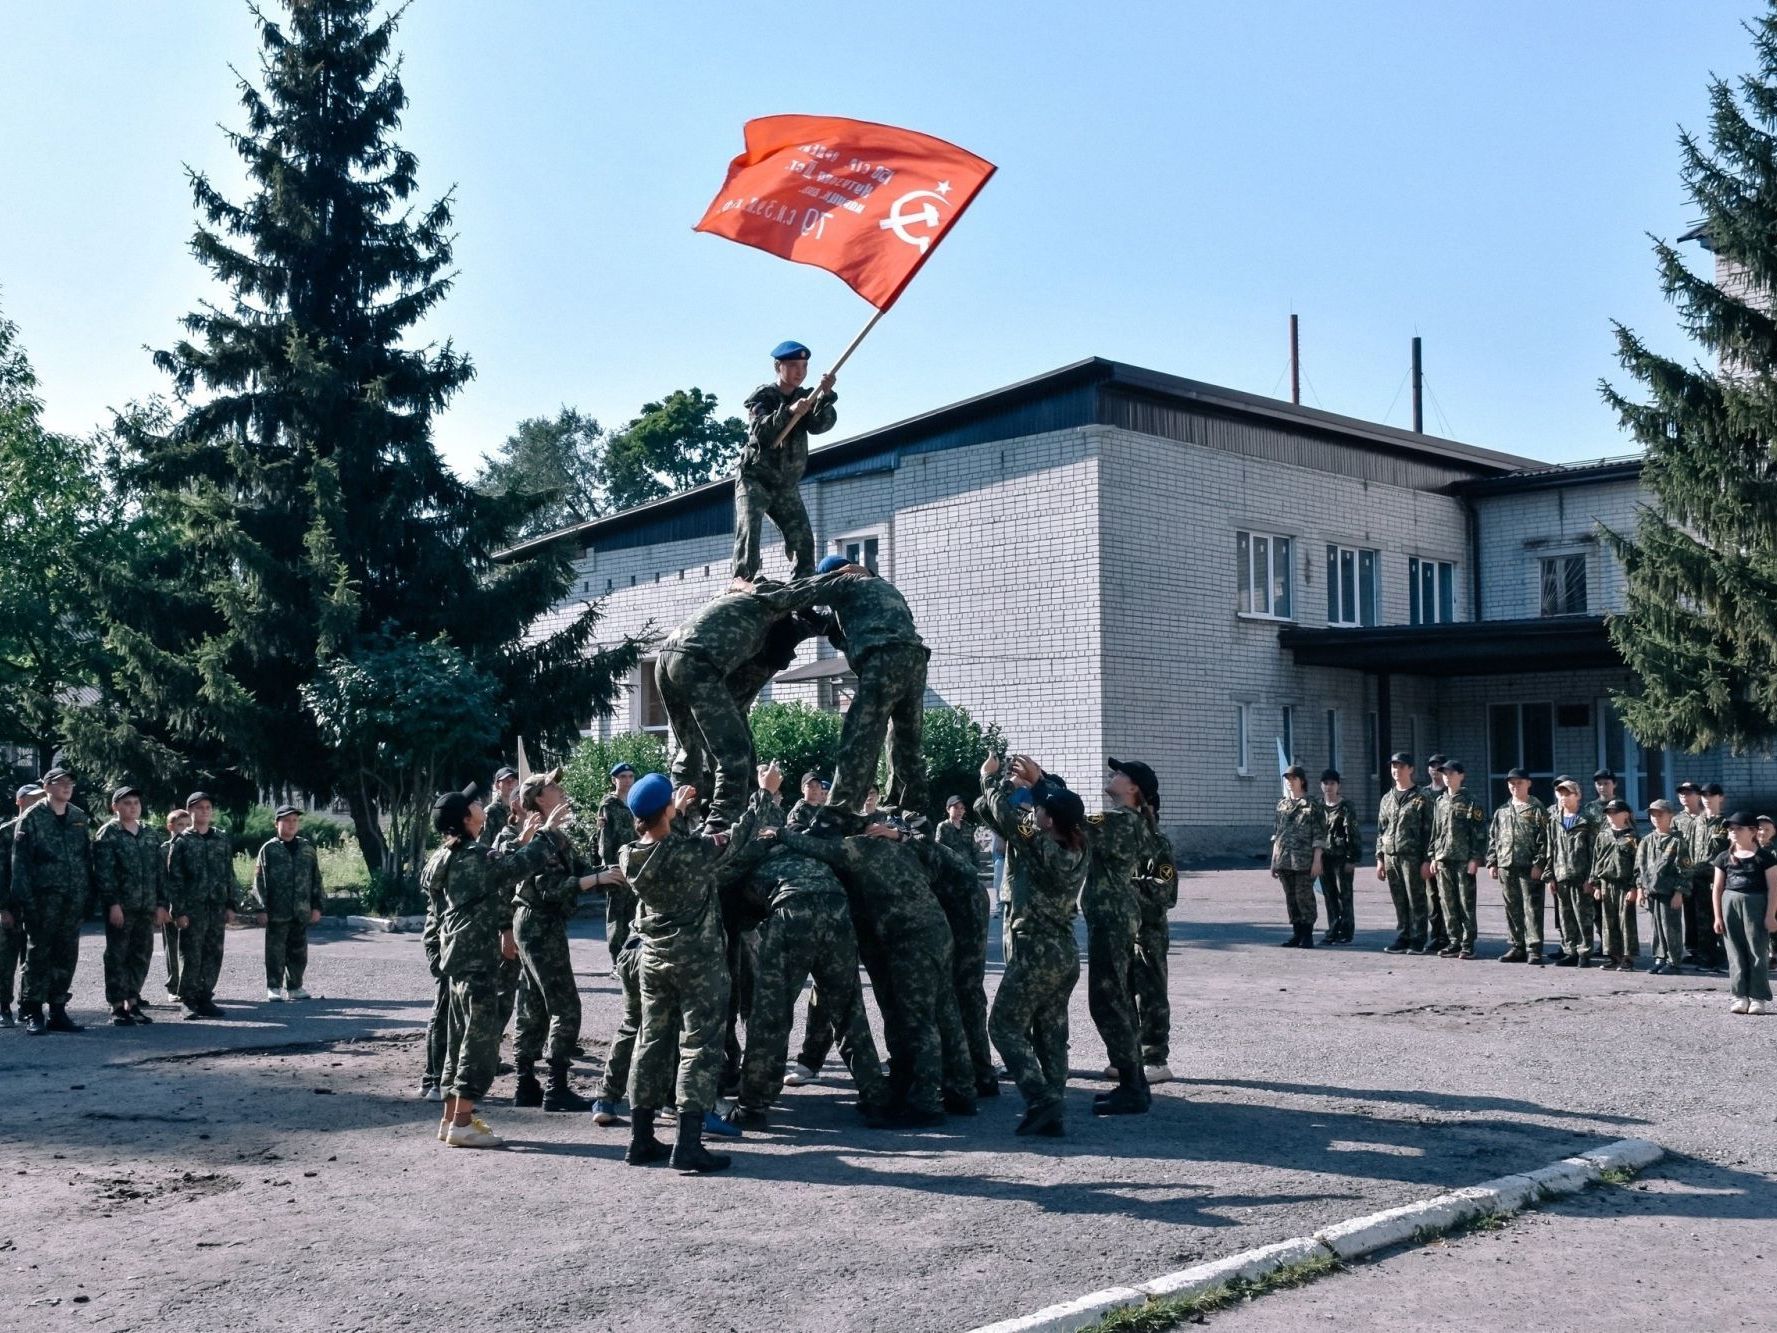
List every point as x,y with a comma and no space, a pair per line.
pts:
866,202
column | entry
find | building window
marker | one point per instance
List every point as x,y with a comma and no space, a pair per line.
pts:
1351,586
1243,716
1521,736
863,548
1641,772
1262,571
1333,738
650,708
1286,735
1431,591
1564,585
1370,744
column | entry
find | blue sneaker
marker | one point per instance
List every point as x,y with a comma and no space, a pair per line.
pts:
714,1124
605,1113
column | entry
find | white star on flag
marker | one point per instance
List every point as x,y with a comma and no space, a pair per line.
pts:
943,187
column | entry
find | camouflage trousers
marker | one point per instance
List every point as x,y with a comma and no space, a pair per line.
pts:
1456,888
1298,898
627,968
507,974
808,935
52,950
678,1057
548,998
129,949
472,1037
968,914
200,953
1148,980
286,953
707,722
169,948
1523,895
1412,909
889,704
1667,911
1621,937
1111,931
12,956
1577,919
743,966
1336,880
1029,1020
921,1024
437,1031
758,496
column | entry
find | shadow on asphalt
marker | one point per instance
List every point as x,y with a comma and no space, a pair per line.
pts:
1414,1097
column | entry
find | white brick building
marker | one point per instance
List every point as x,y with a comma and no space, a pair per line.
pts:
1107,560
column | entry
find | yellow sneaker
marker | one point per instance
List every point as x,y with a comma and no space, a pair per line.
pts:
473,1135
443,1129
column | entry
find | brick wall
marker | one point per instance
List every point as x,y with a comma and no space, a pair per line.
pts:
1519,529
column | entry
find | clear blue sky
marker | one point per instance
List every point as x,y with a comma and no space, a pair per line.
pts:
1175,178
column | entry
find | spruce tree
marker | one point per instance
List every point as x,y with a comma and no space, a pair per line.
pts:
1700,628
312,509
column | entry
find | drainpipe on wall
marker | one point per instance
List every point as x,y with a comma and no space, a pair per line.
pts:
1474,556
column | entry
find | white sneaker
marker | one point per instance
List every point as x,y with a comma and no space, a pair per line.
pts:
799,1075
297,993
444,1129
173,998
1758,1007
1740,1007
433,1093
274,995
1158,1073
475,1134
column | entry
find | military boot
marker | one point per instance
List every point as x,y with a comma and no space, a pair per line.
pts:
529,1092
690,1157
60,1022
1129,1097
559,1096
643,1146
33,1015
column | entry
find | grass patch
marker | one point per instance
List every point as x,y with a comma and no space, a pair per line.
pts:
1158,1316
1616,1175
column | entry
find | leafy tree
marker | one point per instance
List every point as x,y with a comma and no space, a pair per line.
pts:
403,718
559,460
953,745
1700,629
312,512
799,737
586,774
673,445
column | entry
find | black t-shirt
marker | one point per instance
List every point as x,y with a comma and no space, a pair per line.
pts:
1746,874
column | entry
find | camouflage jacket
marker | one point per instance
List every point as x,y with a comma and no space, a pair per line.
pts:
954,882
287,878
554,886
471,884
499,815
888,885
959,840
768,411
52,857
872,614
1567,853
1345,841
1663,863
130,869
1298,831
732,626
1708,838
1403,825
1046,877
1613,855
677,882
1156,878
6,831
1115,842
1518,838
616,826
200,872
1458,829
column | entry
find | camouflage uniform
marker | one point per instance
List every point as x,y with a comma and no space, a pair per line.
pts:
1567,861
1156,887
12,938
1436,932
683,966
766,483
438,1025
169,933
1458,837
876,633
548,995
692,670
511,970
616,828
1662,873
1517,840
1403,830
1613,866
472,884
958,889
1338,866
1029,1020
1117,840
52,879
201,886
960,840
1707,838
1298,831
287,878
130,870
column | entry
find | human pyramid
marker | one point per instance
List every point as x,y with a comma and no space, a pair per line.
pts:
722,902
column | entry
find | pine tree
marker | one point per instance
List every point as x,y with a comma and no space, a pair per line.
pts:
1700,628
312,509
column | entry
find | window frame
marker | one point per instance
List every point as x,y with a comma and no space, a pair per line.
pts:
1243,738
1368,612
1245,569
646,690
879,534
1569,560
1443,577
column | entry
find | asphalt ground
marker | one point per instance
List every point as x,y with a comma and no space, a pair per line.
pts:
276,1170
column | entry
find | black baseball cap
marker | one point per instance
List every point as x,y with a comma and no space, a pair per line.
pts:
1331,775
1455,766
1141,775
1295,771
1435,761
1615,805
1741,819
1688,785
1517,775
1604,775
1712,789
1401,757
501,774
453,805
813,776
55,774
197,796
285,811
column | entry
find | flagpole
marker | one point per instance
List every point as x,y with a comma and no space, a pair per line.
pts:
804,407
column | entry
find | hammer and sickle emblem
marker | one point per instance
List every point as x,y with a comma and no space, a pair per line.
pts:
900,217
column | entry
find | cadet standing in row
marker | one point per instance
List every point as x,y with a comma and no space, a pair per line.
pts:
1156,884
1403,832
1662,874
52,877
770,474
1517,841
1119,839
1458,842
178,820
1437,933
1567,861
1613,867
205,897
1298,837
130,869
287,878
12,929
1338,862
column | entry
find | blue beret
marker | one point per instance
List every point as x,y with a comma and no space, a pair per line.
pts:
617,769
650,795
830,563
790,350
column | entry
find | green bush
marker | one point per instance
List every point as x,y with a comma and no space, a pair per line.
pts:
586,775
798,737
386,895
954,745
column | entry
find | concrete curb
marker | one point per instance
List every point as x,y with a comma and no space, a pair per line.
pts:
1347,1240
